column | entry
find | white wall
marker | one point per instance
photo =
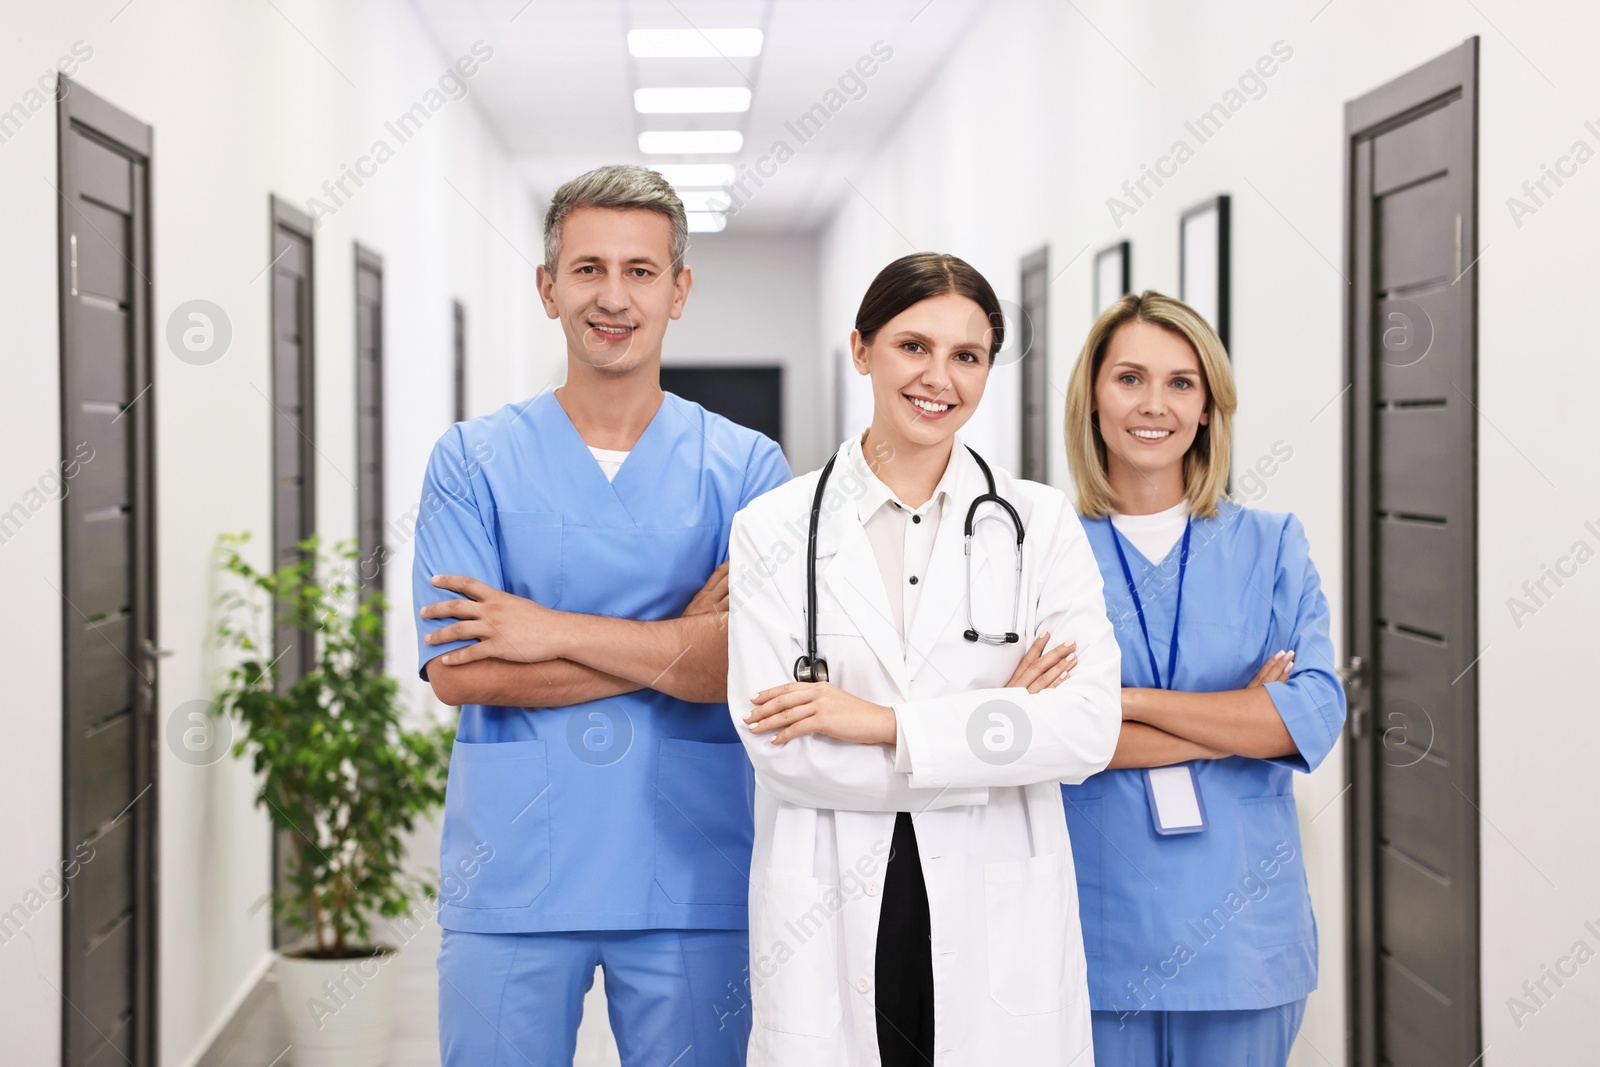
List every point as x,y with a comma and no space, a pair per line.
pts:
1045,110
754,301
1040,115
243,105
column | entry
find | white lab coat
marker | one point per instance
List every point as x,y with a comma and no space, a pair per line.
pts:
1008,962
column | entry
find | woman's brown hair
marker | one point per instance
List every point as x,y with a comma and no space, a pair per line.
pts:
920,276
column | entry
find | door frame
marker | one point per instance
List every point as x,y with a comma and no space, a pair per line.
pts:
79,109
1034,463
1453,75
284,215
458,349
365,259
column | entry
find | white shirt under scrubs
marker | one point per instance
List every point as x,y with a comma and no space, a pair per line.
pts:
610,460
1154,534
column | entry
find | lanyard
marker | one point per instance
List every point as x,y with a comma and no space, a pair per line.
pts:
1138,605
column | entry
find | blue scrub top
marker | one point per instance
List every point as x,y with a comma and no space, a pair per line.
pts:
1218,920
630,813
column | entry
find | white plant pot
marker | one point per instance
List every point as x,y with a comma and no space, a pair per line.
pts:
340,1013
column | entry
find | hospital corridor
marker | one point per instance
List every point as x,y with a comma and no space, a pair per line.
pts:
704,533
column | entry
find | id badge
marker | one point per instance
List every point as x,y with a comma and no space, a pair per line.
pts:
1174,795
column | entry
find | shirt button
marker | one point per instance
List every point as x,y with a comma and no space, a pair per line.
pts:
872,889
862,985
916,518
913,579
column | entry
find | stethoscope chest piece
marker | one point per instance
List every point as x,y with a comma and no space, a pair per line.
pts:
811,669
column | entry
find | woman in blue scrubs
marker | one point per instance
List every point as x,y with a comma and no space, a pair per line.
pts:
1196,916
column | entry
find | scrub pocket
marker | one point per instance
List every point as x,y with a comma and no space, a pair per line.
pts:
1229,651
1279,912
705,795
794,960
1026,909
530,554
497,820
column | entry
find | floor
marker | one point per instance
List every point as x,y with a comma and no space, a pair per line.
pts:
255,1037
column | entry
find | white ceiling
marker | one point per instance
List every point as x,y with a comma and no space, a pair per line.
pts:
559,88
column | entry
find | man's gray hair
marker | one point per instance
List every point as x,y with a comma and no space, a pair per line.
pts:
617,186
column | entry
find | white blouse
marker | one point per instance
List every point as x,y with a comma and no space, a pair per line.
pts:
901,537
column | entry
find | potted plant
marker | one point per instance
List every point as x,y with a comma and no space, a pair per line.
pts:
342,775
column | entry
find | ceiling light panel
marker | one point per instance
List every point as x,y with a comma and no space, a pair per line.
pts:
697,100
690,142
693,43
696,175
707,221
704,199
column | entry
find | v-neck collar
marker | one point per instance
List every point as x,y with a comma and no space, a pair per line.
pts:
1128,542
641,468
1133,550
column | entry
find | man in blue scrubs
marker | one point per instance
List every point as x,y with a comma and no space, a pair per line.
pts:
570,571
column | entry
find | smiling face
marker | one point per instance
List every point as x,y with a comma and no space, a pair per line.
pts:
1151,399
613,288
929,365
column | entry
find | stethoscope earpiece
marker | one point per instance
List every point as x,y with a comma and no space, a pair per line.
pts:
992,639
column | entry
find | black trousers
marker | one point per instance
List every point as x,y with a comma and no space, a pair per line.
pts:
904,966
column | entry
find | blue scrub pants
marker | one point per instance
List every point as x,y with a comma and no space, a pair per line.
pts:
1255,1038
675,997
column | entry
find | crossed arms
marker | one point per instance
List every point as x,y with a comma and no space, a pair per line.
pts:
1162,727
528,655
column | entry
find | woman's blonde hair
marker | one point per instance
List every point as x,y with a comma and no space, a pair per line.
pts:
1205,465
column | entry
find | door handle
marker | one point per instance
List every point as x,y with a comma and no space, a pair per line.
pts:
1353,675
1458,247
151,654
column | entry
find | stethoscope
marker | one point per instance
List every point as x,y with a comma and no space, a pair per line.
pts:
812,667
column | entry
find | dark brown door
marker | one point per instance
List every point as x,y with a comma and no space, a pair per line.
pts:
1034,354
1411,567
294,450
108,563
369,417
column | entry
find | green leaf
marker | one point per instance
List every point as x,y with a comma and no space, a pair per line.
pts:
336,766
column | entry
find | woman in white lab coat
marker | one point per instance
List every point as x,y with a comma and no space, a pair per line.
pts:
912,893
